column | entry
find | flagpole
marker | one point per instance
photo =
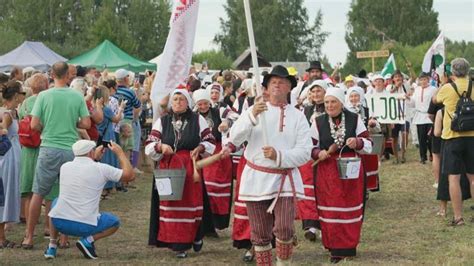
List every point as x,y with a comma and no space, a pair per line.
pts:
256,72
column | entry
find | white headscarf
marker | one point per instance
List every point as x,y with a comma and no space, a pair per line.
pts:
186,94
221,90
361,104
335,92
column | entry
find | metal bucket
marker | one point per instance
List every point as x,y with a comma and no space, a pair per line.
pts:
348,167
170,182
378,141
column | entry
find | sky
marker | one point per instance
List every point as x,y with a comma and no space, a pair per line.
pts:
455,19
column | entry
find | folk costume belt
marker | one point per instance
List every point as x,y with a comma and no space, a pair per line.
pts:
284,173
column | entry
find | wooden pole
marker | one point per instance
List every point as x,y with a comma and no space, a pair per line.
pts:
373,64
256,72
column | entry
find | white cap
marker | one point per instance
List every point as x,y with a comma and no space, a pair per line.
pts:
201,94
28,69
376,76
335,92
121,73
83,147
319,82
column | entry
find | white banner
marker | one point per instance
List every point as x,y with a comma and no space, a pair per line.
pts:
387,108
176,57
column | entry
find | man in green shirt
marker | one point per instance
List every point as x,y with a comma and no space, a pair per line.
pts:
57,113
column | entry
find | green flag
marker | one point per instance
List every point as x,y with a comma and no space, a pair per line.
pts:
389,66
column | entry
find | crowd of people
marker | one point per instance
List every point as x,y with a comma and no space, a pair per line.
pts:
281,140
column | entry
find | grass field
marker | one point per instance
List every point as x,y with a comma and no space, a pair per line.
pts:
400,228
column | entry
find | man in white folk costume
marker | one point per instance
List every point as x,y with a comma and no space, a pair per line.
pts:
271,181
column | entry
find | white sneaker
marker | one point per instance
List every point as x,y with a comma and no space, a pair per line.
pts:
435,185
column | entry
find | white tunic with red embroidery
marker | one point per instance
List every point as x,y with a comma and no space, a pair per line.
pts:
288,133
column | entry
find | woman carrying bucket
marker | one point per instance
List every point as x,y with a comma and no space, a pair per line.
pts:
340,182
355,98
175,141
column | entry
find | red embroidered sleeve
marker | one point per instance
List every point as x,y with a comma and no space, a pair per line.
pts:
206,135
154,137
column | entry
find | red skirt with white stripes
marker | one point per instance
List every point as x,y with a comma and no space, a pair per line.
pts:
218,181
180,220
371,165
307,206
340,207
241,225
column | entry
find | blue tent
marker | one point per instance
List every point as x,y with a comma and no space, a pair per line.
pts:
33,54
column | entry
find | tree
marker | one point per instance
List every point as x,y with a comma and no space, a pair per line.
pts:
460,49
148,22
215,59
109,26
373,23
281,30
70,27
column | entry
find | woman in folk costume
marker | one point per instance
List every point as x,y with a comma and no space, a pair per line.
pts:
340,201
176,138
216,91
307,205
271,181
354,103
217,176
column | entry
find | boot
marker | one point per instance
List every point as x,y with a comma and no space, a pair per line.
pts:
284,250
263,255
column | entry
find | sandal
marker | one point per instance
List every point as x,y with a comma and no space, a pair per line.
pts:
403,160
7,244
26,246
458,222
441,214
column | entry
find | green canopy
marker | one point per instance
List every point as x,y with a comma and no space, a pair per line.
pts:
108,56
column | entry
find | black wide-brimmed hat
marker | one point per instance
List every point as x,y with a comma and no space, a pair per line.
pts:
279,71
314,65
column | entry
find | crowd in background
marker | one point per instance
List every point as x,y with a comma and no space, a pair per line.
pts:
120,110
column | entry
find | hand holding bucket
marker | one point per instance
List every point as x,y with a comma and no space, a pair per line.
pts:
348,167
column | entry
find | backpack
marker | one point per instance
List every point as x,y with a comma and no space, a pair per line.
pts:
28,137
463,117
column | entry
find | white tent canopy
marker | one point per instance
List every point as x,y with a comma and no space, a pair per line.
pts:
30,54
156,60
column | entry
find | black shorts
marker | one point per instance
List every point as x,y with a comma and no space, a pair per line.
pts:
400,128
458,156
435,144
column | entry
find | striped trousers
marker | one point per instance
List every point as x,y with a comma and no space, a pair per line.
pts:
264,225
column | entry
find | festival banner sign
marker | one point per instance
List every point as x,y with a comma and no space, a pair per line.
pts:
387,108
176,58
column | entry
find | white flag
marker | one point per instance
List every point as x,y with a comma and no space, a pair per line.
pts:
434,57
176,57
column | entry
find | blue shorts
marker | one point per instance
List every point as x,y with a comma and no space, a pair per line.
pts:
73,228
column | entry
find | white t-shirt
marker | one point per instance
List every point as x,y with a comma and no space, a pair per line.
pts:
80,185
